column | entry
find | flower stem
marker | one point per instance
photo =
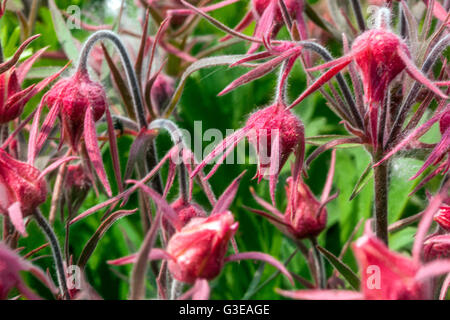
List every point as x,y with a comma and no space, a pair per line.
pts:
319,265
56,250
134,87
381,198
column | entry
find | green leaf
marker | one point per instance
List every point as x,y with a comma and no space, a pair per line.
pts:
343,269
362,181
93,241
63,33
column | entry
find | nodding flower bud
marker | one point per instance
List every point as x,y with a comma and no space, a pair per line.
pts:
376,55
11,104
437,247
442,217
304,215
73,96
22,189
162,91
386,275
267,125
198,249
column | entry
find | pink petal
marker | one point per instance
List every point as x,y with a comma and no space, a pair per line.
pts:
445,287
233,139
329,182
259,71
162,204
424,225
25,66
204,9
155,254
227,197
16,216
320,82
433,269
322,294
262,257
418,75
93,149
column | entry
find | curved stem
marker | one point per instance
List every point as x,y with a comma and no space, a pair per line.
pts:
129,70
132,82
177,139
56,250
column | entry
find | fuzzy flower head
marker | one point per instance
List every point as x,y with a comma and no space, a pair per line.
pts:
11,264
199,249
22,189
73,97
80,103
274,132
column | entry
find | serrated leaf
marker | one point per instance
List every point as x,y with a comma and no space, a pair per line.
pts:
343,269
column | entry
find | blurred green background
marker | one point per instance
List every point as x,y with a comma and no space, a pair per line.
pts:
200,103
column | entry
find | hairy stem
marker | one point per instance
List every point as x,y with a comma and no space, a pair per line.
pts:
381,198
56,251
177,139
138,103
358,14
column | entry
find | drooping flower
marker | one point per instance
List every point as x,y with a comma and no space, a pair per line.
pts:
274,132
22,189
380,56
305,216
79,102
11,265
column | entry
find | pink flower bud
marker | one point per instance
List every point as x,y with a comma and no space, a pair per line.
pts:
9,89
307,219
162,91
437,247
376,54
266,125
21,189
74,95
442,217
386,275
199,248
